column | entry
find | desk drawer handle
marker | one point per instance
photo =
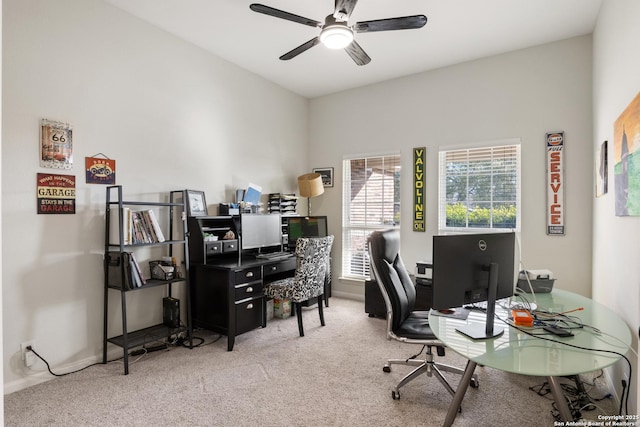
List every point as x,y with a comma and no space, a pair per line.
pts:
249,274
274,268
249,289
249,306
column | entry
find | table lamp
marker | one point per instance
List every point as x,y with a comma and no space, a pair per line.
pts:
310,185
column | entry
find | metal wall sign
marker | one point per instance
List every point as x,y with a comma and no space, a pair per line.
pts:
418,188
56,194
555,184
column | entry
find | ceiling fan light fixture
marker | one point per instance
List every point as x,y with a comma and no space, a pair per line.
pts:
336,36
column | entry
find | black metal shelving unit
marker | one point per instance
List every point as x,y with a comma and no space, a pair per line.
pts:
119,278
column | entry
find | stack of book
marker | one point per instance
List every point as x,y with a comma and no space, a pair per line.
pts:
139,227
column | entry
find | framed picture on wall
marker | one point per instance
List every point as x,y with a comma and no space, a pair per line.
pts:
56,145
327,176
196,203
602,170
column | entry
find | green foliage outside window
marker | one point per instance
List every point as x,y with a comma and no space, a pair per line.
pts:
459,215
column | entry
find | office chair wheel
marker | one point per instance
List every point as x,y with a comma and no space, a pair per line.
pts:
395,395
386,368
474,383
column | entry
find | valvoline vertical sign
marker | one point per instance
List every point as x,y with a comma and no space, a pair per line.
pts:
555,184
418,188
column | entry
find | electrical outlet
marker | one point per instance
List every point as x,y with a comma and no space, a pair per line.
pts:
27,355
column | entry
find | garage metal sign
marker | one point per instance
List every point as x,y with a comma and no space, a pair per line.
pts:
555,184
418,186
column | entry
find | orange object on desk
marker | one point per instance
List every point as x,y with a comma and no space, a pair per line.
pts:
522,318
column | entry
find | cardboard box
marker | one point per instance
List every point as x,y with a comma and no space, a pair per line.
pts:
281,308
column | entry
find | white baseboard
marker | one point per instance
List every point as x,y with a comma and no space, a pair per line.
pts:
41,374
347,295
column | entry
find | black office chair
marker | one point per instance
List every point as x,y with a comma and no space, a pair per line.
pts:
403,323
312,264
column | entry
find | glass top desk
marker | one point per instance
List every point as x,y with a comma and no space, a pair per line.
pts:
547,355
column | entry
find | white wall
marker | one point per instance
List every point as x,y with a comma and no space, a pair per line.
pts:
616,81
522,94
172,116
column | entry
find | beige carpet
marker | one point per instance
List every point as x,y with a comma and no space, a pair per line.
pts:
331,377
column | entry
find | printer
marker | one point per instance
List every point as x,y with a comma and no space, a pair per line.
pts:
541,281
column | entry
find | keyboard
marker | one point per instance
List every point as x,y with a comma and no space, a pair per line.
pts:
271,256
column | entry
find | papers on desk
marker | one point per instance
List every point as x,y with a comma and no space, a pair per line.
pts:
457,313
252,195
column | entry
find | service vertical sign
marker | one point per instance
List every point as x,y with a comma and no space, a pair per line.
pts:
418,188
555,184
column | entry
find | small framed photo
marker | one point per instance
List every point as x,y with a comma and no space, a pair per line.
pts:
196,203
327,176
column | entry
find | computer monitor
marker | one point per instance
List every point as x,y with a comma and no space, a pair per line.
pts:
470,268
309,226
259,231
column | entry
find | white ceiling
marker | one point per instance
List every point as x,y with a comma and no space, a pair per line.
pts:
456,31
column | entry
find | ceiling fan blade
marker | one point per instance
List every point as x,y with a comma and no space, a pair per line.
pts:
267,10
297,51
344,9
358,54
402,23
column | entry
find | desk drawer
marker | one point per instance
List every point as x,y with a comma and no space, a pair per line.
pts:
248,290
213,247
248,315
279,267
248,275
229,246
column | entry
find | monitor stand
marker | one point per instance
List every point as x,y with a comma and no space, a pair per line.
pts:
478,331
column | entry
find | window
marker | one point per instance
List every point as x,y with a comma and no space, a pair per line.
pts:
371,201
480,188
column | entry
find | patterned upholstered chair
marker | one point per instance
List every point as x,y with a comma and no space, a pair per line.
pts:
312,260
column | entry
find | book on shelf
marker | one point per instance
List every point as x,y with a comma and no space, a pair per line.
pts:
138,270
156,226
146,228
136,280
114,226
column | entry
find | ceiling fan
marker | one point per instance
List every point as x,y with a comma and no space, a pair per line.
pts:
336,33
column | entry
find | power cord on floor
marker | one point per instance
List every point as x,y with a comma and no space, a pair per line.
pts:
177,342
578,399
30,348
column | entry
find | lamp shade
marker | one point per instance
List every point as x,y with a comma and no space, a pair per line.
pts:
310,185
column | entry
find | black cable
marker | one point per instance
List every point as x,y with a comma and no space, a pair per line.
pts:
624,387
540,336
185,342
61,375
418,354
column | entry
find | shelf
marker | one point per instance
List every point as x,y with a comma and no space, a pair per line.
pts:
146,335
151,283
137,245
122,268
132,203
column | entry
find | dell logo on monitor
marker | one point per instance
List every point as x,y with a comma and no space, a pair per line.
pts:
482,245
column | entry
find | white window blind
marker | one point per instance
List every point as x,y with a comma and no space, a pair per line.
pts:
371,201
479,188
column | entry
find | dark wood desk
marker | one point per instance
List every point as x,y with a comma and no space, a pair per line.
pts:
227,295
